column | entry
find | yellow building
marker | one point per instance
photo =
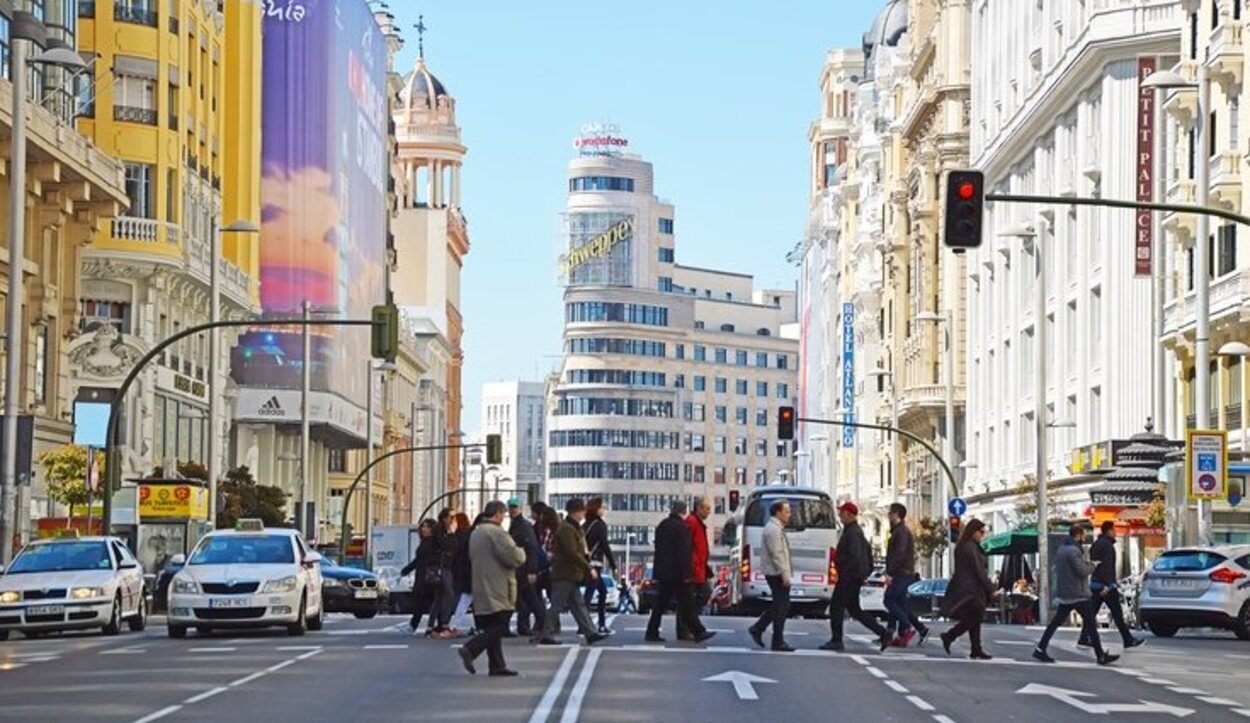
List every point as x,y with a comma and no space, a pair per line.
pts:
175,96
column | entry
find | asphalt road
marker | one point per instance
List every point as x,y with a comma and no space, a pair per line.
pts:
370,671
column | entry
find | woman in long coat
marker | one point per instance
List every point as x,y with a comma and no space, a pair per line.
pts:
970,591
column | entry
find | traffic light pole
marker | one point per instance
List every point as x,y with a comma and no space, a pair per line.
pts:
364,472
886,428
112,453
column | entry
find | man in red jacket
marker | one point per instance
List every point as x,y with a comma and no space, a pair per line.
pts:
700,572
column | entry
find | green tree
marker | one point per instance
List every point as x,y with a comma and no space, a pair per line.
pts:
246,498
65,470
931,537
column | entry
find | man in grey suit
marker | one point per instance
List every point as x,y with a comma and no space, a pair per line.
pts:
775,564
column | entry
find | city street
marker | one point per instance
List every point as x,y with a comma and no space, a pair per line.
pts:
370,671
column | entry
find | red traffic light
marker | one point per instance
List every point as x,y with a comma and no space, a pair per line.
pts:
967,191
787,413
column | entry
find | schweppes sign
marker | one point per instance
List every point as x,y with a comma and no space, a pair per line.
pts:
598,246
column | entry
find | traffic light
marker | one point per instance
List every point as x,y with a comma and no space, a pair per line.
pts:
965,205
734,498
955,524
785,423
384,342
494,449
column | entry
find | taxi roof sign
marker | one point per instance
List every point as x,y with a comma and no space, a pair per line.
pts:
68,533
249,525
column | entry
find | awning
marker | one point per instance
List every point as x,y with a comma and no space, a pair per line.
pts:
1016,542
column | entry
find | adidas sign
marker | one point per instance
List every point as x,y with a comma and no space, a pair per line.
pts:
271,408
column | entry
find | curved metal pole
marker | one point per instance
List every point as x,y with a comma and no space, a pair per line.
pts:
347,496
886,428
444,496
1118,203
112,465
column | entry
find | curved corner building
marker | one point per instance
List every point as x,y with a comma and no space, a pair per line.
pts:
672,374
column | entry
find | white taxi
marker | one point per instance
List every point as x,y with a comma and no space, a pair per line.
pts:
72,583
249,577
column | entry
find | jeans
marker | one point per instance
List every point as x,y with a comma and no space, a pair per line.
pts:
444,601
529,602
898,605
1116,605
564,593
598,585
460,617
1089,624
491,629
686,615
846,600
776,613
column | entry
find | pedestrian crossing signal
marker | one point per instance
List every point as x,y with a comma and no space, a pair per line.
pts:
494,449
785,423
956,526
734,498
384,342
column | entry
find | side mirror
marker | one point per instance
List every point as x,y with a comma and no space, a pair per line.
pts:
128,565
312,558
178,559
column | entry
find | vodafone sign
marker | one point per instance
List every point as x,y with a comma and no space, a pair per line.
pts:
600,139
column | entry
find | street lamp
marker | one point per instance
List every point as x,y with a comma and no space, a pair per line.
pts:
307,521
1166,79
214,352
24,28
1240,350
373,368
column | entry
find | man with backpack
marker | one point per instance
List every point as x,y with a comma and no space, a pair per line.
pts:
854,564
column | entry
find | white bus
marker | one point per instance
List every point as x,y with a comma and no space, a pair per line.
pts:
813,536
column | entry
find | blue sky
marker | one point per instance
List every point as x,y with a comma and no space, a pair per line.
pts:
718,95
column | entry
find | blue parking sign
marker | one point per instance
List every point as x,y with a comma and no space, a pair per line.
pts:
1208,462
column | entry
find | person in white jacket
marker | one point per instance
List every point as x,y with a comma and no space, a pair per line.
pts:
775,564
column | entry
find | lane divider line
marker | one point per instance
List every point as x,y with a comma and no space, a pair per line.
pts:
1218,701
897,687
573,708
876,673
159,714
386,647
205,695
552,694
921,703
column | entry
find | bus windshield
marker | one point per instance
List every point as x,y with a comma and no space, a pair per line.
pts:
805,512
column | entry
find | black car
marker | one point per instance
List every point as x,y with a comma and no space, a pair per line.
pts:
349,590
925,596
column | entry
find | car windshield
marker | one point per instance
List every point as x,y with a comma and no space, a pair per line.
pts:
59,556
805,512
244,550
1188,561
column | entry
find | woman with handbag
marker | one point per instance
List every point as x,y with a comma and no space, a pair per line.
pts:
596,531
424,569
970,591
444,598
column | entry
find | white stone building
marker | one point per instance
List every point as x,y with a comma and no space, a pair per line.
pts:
516,410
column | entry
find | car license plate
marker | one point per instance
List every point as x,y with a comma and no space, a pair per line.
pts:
798,592
46,610
366,594
230,602
1178,582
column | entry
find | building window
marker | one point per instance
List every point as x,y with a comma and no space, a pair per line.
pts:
700,413
761,477
336,461
761,417
700,384
700,474
666,284
740,357
783,449
722,415
761,448
741,386
601,311
761,359
722,356
681,351
696,443
679,381
783,390
783,361
6,26
722,385
740,415
727,328
601,183
719,445
630,377
1227,256
666,226
666,255
93,313
134,99
140,189
718,475
700,353
740,445
761,389
41,364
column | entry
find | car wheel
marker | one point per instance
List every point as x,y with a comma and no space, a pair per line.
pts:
318,621
177,632
1242,627
140,620
114,625
367,616
300,626
1163,630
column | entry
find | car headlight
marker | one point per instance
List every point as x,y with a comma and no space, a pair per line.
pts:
10,596
331,582
285,584
184,586
83,593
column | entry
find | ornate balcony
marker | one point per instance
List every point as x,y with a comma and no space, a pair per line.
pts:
1182,103
1226,179
1226,53
1183,225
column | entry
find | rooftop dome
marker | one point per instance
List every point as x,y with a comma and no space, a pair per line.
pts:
886,31
421,88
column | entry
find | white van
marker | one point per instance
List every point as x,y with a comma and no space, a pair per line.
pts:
813,536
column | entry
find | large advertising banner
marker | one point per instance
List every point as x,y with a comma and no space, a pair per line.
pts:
323,194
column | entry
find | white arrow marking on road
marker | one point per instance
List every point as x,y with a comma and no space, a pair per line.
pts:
744,683
1073,698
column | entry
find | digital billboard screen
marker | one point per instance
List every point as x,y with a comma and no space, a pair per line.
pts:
323,194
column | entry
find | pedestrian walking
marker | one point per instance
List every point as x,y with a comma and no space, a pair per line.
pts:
444,598
528,604
1072,572
776,566
495,560
900,574
462,574
546,532
601,558
570,566
1104,586
700,571
854,565
626,604
424,570
969,592
671,572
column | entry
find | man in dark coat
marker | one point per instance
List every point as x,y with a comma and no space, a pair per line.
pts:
570,566
527,601
671,571
900,573
854,563
1104,585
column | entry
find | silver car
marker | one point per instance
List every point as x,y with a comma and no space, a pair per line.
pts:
1198,587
